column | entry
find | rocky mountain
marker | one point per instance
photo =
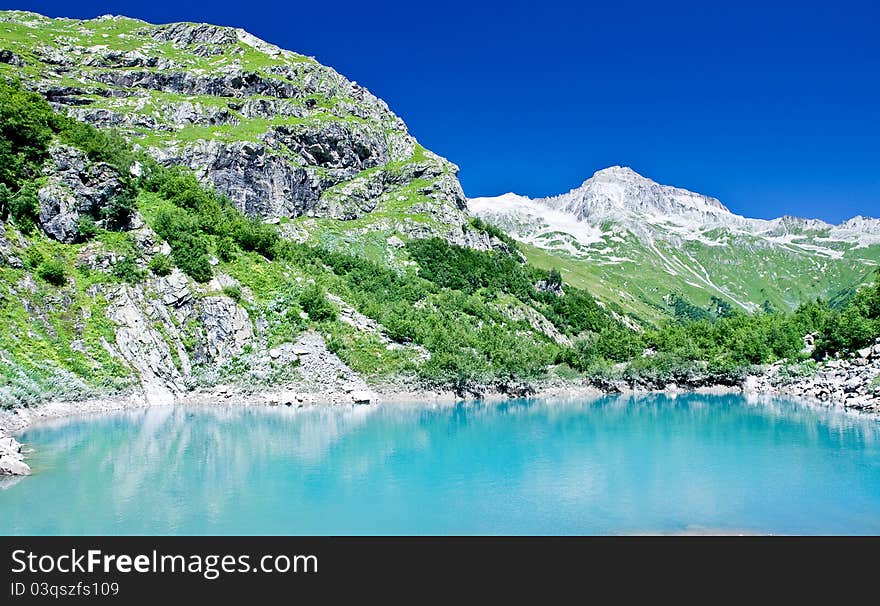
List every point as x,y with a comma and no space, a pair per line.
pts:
280,134
641,243
186,208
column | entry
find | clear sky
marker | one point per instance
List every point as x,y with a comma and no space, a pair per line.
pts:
773,107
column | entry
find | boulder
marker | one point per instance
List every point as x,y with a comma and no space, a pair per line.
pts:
11,458
13,466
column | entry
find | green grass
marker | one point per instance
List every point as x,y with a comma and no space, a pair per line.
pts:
745,273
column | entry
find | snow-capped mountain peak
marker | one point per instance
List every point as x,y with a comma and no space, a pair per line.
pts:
622,198
619,193
618,218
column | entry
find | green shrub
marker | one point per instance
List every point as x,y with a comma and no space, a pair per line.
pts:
226,250
100,145
53,272
27,126
314,302
233,291
119,209
24,207
33,257
190,254
254,235
160,265
86,228
126,269
189,247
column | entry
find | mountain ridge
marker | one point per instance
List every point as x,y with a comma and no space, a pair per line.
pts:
619,174
619,218
282,135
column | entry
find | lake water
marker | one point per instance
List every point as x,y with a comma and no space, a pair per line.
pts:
616,465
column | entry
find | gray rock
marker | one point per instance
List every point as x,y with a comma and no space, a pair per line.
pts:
7,254
11,458
75,186
227,328
7,56
173,289
362,396
13,466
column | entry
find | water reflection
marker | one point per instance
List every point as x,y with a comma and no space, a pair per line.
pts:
616,464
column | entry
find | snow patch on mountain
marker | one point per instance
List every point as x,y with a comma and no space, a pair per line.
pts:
617,200
537,223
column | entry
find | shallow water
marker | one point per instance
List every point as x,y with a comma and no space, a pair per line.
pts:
629,464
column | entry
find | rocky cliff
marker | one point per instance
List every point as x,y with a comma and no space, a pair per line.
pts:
186,208
280,134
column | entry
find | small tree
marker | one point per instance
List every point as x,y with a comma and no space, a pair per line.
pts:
314,301
118,211
86,228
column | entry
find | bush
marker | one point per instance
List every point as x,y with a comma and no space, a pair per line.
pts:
160,265
314,302
86,228
126,269
24,207
226,250
27,125
119,210
254,235
190,254
53,272
189,247
33,257
233,291
100,145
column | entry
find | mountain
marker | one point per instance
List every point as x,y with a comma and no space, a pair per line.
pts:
185,207
280,134
639,243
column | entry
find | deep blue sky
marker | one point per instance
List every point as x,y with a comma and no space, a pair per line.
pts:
773,107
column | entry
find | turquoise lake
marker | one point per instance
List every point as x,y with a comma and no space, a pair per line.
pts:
614,465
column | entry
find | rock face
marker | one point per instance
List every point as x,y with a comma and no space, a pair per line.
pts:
75,187
279,133
7,254
154,321
322,369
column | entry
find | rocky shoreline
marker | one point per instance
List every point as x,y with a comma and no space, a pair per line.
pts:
852,383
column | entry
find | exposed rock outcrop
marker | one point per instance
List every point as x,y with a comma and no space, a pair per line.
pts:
321,369
163,329
277,132
7,254
75,187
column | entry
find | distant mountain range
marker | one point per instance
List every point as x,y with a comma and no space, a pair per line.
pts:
639,243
